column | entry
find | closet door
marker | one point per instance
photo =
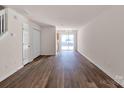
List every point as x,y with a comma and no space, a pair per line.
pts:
26,44
36,42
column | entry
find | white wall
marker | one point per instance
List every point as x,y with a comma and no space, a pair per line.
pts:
11,46
101,40
48,40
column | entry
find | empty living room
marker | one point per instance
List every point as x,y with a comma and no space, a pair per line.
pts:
61,45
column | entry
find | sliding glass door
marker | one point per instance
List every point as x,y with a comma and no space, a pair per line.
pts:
67,41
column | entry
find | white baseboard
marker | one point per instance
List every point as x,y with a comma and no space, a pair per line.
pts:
101,68
10,73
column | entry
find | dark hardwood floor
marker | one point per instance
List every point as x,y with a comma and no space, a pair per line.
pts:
68,69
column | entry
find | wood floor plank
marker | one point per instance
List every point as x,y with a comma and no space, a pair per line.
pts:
68,69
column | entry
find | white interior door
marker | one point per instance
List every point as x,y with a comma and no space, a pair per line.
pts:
36,43
26,44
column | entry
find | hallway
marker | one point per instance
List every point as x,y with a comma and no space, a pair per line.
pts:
67,69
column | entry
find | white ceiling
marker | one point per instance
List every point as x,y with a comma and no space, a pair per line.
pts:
69,16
